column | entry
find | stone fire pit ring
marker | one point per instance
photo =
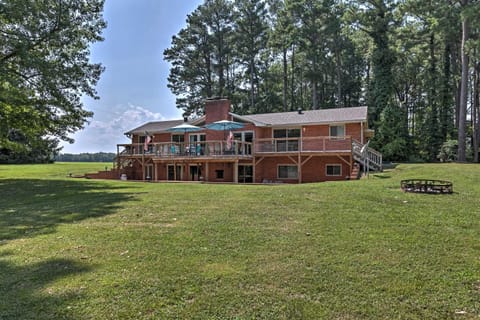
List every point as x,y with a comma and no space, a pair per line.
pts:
427,186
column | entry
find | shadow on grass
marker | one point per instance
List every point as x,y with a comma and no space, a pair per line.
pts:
26,295
382,176
32,207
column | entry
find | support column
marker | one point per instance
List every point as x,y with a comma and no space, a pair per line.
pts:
299,168
235,171
207,173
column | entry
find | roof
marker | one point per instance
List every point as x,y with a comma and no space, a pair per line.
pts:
155,126
307,117
336,115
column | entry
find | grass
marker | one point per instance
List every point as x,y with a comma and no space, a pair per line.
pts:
92,249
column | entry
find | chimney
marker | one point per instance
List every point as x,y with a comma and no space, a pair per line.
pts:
216,109
300,111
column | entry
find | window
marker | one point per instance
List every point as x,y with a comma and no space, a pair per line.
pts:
178,138
245,138
337,131
290,141
219,174
287,172
334,170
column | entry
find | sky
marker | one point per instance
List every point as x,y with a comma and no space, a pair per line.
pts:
133,88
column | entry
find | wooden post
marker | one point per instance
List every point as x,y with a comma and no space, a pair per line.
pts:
235,171
206,173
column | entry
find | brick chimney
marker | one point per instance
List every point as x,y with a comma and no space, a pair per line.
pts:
216,109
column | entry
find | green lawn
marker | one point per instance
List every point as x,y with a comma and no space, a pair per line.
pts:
92,249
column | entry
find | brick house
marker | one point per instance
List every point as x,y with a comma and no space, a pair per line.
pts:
285,147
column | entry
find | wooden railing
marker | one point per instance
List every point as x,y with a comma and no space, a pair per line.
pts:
305,144
370,157
182,149
237,148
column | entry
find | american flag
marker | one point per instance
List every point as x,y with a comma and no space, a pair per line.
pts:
148,139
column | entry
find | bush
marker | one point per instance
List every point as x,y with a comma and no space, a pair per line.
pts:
448,151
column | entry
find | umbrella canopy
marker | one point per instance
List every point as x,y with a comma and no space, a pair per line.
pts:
224,125
184,127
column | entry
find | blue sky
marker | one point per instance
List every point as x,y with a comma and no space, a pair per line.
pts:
133,88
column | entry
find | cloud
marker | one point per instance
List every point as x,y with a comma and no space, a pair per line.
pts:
107,128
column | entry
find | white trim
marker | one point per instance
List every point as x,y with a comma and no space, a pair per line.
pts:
333,165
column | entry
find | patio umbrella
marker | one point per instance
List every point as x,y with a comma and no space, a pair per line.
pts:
184,127
224,125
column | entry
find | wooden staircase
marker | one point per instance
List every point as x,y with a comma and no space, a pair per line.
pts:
366,157
355,174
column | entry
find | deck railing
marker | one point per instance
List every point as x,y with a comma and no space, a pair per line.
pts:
184,149
373,158
237,148
305,144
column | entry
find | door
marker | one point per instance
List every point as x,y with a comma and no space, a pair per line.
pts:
173,175
195,173
244,136
149,172
245,174
197,143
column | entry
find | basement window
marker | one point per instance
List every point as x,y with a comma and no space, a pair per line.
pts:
287,172
334,170
219,174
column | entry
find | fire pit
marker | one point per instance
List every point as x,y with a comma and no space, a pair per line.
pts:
427,186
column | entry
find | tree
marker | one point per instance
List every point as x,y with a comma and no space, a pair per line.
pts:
315,23
462,120
250,40
45,68
200,56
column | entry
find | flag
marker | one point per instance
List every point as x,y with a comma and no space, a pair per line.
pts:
229,140
148,139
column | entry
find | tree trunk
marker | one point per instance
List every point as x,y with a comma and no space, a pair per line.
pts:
338,69
476,112
292,105
252,85
285,79
462,113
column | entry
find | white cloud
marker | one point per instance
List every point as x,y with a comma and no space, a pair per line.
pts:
107,128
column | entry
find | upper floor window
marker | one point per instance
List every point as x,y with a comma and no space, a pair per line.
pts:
337,131
286,139
178,138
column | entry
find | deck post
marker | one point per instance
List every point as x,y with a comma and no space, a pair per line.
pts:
235,171
299,168
206,173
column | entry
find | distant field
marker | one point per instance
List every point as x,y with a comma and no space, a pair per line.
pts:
97,249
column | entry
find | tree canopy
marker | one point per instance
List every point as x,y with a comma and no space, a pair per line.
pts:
404,59
45,70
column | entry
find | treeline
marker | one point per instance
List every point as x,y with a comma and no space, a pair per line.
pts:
86,157
414,63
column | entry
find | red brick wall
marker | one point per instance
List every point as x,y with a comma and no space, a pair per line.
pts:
313,170
162,137
216,110
354,130
316,131
227,172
